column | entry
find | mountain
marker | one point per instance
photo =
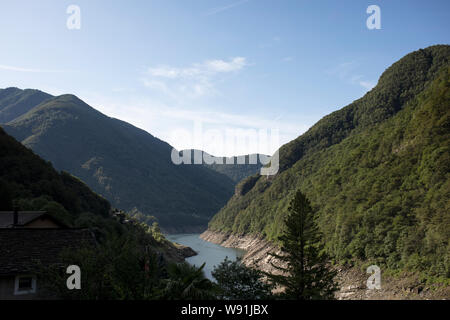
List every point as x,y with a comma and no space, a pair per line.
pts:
29,181
15,102
377,172
235,168
128,166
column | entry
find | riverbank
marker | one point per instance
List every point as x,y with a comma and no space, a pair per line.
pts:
174,252
352,280
256,249
207,252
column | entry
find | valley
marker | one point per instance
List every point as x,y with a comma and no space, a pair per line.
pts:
126,165
376,172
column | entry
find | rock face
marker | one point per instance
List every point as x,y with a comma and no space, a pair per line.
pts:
352,280
407,286
257,249
175,252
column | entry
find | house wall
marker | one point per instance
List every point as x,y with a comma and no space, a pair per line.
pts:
42,223
7,290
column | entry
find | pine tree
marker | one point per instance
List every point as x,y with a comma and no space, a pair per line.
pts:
304,267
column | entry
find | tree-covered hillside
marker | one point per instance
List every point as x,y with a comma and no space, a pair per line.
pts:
130,259
126,165
15,102
377,171
26,179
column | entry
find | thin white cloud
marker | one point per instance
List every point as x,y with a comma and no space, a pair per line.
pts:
346,72
235,64
196,70
156,85
20,69
367,84
194,81
217,10
173,73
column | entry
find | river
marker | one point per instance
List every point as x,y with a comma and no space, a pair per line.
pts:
208,252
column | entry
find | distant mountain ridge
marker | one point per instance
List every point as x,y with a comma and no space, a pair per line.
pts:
128,166
236,168
15,102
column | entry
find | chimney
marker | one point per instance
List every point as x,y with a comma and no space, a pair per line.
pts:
16,217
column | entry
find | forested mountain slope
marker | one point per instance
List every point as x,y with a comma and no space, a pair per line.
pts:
15,102
33,184
128,166
28,182
377,171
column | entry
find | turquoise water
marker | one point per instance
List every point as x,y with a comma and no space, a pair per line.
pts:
208,252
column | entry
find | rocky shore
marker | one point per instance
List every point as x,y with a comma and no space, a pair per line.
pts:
174,251
352,280
257,249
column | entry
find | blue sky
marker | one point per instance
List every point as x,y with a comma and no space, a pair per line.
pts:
171,66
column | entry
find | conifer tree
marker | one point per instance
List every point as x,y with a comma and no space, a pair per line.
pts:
306,274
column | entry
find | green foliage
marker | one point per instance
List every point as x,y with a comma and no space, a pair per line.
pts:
126,165
156,232
130,260
305,274
119,269
15,102
139,216
187,282
44,203
35,185
377,171
239,282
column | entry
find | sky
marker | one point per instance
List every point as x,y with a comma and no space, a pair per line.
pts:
208,74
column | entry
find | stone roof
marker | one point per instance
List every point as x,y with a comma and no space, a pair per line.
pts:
24,217
22,250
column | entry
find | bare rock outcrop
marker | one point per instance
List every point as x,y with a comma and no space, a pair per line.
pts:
257,249
352,280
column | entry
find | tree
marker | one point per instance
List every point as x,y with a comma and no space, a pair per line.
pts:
156,232
187,282
118,269
305,274
239,282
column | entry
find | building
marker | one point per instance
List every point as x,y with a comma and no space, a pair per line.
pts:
28,219
28,242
